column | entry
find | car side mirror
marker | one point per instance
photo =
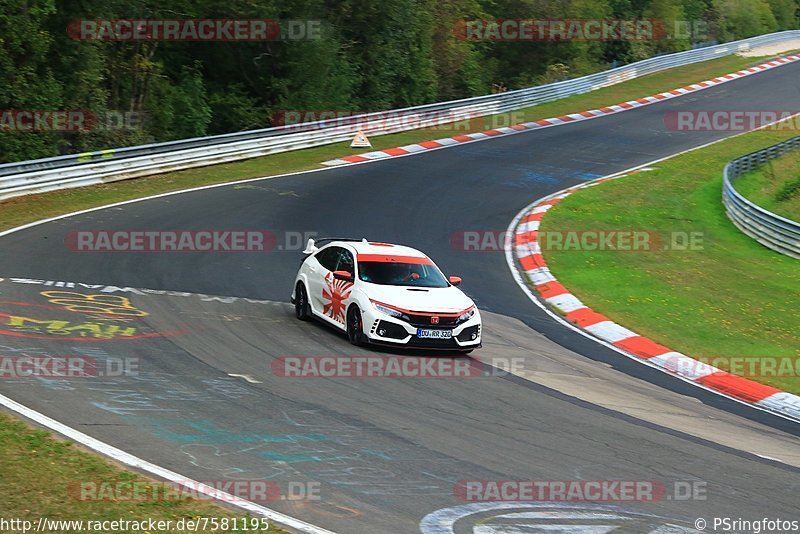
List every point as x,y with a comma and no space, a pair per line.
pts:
455,280
346,276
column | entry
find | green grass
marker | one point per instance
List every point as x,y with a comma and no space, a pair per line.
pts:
33,207
40,477
732,298
775,186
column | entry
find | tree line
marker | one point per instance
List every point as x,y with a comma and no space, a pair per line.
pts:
368,55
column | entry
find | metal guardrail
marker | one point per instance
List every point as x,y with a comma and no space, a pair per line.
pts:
62,172
771,230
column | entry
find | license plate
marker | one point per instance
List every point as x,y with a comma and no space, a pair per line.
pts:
434,334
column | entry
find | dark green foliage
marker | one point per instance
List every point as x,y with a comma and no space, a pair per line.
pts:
374,55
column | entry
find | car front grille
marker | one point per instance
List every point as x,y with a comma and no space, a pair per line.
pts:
424,321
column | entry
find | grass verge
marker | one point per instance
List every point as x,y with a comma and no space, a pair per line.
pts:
728,300
29,208
775,186
42,477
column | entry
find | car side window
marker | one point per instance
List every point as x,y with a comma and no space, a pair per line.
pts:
346,261
328,257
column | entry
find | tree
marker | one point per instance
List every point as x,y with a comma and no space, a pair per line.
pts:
669,15
786,12
370,55
28,80
739,19
459,66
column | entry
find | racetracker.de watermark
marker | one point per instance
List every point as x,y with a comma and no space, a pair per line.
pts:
580,240
560,30
68,120
139,491
746,366
367,121
739,120
202,30
393,367
579,490
14,367
186,240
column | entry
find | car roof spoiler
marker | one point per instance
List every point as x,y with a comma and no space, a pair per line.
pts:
312,244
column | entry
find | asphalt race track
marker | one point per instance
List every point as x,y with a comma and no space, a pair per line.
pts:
388,453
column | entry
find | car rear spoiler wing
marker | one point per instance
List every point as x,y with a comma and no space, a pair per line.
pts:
312,244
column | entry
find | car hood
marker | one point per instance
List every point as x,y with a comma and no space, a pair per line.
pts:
429,299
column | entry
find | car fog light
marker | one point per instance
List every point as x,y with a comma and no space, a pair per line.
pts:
382,332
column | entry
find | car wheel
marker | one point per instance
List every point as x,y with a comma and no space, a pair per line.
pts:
301,306
355,327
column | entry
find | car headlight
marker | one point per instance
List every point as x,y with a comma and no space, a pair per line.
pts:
391,312
466,315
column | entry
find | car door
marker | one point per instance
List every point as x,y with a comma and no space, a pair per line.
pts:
336,293
341,290
320,266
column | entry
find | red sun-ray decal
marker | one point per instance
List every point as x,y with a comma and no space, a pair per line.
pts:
335,294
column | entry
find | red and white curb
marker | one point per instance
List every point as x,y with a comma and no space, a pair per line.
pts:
556,121
529,260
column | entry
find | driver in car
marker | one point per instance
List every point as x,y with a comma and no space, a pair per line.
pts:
403,274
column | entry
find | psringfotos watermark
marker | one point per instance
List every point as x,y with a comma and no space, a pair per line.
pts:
622,240
200,30
738,524
579,490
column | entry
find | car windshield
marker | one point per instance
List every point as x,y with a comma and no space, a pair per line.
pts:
401,274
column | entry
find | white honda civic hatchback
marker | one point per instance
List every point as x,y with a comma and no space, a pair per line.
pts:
385,294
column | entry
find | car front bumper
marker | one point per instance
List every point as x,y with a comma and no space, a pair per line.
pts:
386,330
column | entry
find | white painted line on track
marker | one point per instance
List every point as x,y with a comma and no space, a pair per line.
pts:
136,462
246,378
